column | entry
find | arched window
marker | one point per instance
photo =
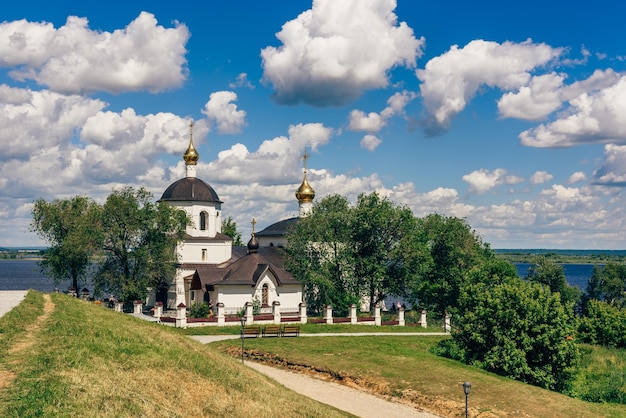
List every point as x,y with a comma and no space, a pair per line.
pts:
203,216
265,295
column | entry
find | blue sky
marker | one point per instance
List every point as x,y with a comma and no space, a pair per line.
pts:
511,117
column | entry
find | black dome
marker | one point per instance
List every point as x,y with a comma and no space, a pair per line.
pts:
190,188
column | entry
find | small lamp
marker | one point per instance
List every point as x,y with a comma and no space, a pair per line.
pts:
466,388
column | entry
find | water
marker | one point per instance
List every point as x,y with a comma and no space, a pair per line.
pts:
24,275
575,274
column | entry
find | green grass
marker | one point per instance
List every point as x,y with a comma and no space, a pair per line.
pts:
15,322
403,366
87,361
603,375
312,329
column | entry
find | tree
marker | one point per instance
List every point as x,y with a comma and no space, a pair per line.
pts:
344,254
608,284
229,228
72,228
319,254
139,241
546,272
517,329
453,250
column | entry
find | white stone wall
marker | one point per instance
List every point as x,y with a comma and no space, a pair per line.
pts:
214,218
216,252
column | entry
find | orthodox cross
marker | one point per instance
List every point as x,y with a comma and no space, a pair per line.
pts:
305,157
253,223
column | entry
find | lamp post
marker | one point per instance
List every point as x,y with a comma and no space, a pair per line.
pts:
466,388
243,324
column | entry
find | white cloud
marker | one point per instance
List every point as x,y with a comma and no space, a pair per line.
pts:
373,122
540,177
370,142
224,114
613,169
75,59
577,177
242,81
592,117
481,181
452,79
333,52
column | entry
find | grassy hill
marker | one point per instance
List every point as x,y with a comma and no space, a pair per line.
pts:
63,357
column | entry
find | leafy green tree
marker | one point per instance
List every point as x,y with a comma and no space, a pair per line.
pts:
343,254
454,249
384,247
320,255
608,284
229,228
517,329
139,240
545,271
72,228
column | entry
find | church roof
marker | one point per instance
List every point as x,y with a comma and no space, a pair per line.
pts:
279,228
243,269
190,189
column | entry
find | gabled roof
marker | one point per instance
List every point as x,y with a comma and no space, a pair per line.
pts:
242,269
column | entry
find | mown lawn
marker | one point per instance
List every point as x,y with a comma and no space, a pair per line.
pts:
403,366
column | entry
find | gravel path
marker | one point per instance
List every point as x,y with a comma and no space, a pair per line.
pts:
9,299
359,403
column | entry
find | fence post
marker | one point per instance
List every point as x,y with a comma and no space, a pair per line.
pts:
401,317
276,312
249,313
423,318
119,306
181,316
221,319
329,314
377,320
138,307
158,310
353,319
446,323
303,317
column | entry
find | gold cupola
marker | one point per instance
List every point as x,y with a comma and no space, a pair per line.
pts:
305,193
191,155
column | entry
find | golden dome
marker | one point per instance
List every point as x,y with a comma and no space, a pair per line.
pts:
191,155
305,192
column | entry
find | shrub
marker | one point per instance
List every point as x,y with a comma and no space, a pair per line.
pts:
199,310
603,325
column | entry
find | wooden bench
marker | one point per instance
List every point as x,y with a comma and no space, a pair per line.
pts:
271,331
251,331
291,330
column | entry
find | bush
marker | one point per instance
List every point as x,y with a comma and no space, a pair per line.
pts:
603,325
199,310
519,330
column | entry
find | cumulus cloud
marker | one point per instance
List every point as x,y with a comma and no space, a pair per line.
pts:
613,169
373,122
370,142
76,59
224,114
540,177
577,177
276,160
481,181
451,80
333,52
592,117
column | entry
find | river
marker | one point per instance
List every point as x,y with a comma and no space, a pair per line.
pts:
25,274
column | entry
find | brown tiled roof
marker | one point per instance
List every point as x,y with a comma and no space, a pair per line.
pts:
242,269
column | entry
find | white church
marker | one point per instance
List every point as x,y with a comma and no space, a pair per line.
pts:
211,269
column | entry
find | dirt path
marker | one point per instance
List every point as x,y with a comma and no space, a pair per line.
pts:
28,340
354,401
